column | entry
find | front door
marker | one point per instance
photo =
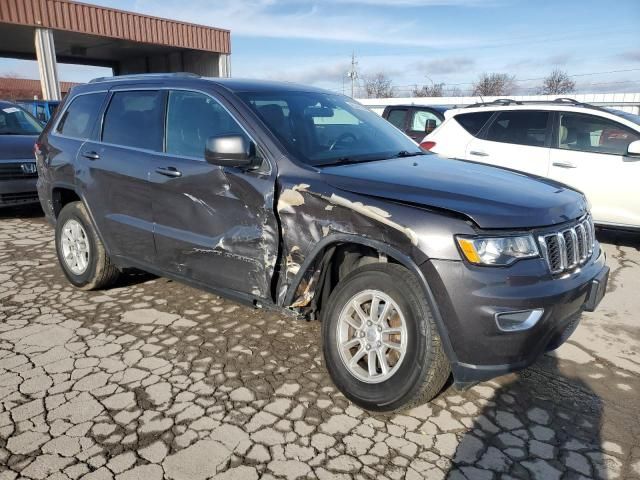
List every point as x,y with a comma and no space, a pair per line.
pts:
213,224
516,139
115,172
589,154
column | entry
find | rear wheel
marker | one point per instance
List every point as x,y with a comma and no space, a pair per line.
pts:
81,254
380,342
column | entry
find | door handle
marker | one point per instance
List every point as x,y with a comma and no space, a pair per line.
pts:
172,172
91,155
478,154
564,164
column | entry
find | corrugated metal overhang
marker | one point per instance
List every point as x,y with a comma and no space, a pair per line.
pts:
94,20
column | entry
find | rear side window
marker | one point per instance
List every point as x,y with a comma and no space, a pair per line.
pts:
78,120
135,119
523,127
473,122
397,118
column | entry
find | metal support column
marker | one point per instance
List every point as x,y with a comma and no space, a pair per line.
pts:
47,64
224,65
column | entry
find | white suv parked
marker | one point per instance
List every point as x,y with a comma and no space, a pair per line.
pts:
593,149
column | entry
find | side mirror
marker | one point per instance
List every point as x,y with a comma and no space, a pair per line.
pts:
429,126
231,151
633,150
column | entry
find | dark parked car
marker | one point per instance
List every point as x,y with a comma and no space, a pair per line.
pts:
18,133
415,120
293,197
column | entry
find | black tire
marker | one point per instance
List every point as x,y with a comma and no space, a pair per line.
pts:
425,368
100,272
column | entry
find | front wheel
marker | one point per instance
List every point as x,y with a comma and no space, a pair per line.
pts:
380,342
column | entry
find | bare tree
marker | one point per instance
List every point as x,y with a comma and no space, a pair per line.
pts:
494,84
378,86
454,92
433,90
557,82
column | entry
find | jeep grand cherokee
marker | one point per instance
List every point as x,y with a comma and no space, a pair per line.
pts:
293,197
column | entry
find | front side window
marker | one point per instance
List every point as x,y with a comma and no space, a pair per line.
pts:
397,117
135,119
191,119
79,118
588,133
15,121
521,127
322,128
424,121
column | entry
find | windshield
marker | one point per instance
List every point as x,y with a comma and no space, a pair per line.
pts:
632,117
15,121
322,129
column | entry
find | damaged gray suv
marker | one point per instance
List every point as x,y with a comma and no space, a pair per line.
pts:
293,197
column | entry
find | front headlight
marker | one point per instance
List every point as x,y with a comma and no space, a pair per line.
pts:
497,250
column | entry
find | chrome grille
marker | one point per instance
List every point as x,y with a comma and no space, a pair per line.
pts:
568,248
14,170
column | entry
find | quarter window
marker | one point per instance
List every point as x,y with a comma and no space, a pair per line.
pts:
474,121
523,127
588,133
135,119
79,118
191,119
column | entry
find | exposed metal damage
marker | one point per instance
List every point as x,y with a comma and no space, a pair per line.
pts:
307,216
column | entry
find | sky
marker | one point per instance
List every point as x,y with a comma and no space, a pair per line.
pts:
414,42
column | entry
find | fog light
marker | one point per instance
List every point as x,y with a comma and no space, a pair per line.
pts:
518,320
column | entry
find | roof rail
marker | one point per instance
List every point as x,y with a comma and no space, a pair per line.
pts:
568,100
498,101
563,100
143,76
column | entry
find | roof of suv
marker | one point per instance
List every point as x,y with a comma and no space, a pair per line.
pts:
231,84
560,104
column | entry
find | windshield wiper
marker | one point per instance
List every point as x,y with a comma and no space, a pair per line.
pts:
405,153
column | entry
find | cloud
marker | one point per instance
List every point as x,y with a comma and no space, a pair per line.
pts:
557,60
631,56
418,3
444,66
328,73
312,21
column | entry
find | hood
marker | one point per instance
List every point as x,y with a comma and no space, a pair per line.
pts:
18,147
492,197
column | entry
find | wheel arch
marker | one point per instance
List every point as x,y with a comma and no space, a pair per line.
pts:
317,258
65,193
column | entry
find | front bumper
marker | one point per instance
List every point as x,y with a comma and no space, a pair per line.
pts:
19,191
469,298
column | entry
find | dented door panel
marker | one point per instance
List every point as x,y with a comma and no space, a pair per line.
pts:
216,225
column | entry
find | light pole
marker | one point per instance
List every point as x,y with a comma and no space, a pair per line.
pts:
353,73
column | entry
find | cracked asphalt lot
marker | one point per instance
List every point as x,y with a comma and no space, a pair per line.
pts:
153,379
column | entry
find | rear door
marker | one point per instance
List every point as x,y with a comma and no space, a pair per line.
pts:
213,224
589,153
516,139
114,171
422,122
76,126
